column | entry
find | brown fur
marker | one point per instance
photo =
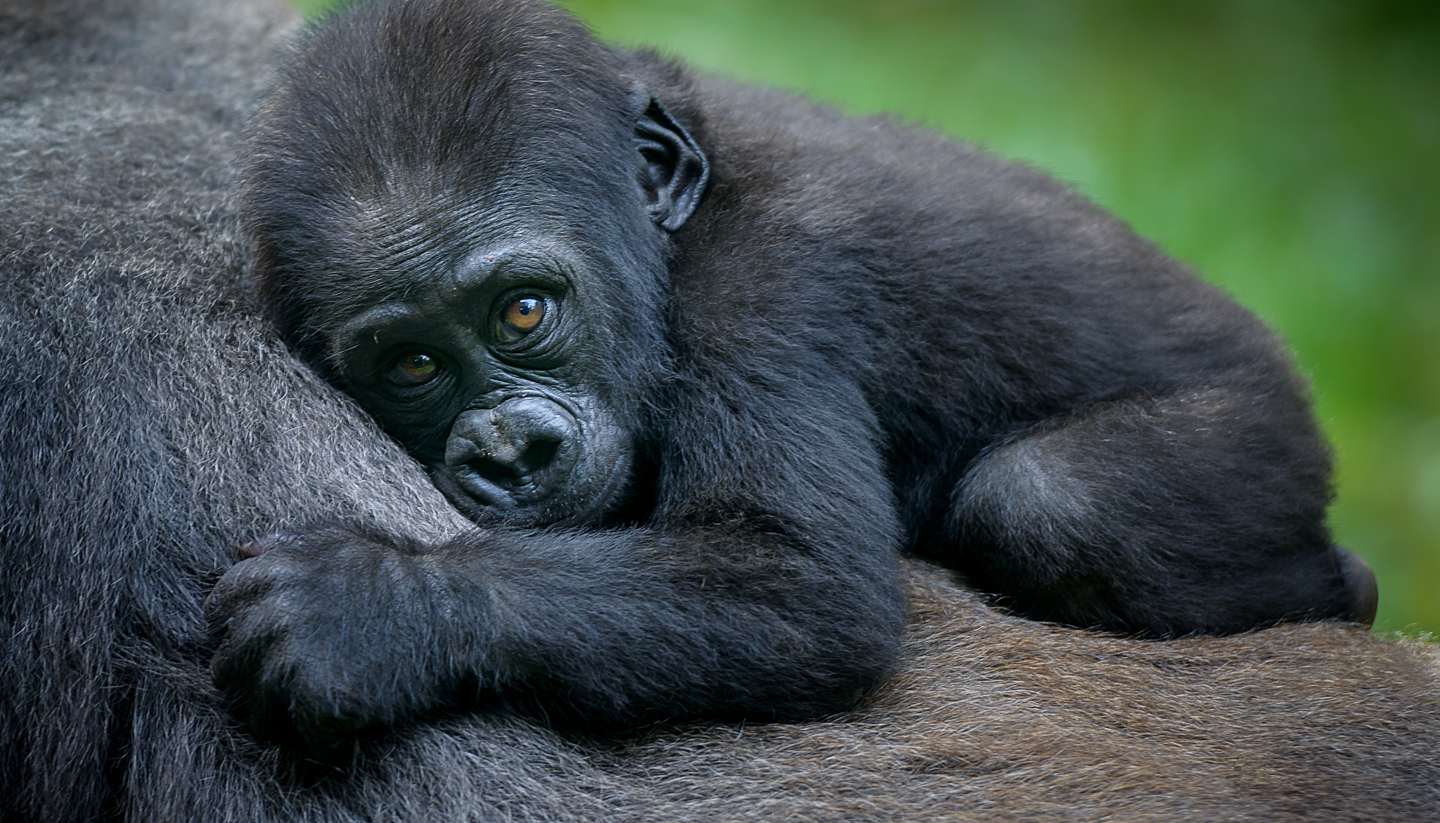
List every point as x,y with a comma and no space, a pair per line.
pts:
997,718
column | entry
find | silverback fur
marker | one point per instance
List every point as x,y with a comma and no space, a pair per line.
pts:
150,421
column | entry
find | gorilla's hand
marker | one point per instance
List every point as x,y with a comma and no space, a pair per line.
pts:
325,634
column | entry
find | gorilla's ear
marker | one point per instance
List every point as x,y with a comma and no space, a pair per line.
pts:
675,171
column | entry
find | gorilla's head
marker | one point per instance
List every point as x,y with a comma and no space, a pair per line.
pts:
474,247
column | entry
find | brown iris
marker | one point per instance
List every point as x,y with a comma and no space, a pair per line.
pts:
522,316
413,369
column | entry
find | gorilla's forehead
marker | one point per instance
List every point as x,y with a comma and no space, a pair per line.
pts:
424,229
449,258
527,257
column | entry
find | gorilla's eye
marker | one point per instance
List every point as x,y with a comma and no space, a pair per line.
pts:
413,369
521,316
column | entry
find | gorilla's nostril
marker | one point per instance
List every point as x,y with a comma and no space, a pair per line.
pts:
539,454
512,457
518,447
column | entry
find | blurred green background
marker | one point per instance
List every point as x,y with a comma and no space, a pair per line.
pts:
1288,150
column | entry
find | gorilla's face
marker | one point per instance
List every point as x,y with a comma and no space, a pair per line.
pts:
486,377
486,280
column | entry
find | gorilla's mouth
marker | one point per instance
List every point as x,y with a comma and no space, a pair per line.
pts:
522,492
477,498
569,501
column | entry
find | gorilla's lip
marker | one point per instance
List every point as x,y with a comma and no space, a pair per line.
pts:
524,493
479,499
474,496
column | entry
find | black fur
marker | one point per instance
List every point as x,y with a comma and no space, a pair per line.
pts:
866,339
150,421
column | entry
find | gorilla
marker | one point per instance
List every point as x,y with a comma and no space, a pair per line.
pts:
151,421
701,360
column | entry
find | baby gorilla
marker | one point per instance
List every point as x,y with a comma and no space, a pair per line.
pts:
701,360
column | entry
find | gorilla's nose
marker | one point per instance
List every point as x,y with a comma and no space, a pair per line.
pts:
523,446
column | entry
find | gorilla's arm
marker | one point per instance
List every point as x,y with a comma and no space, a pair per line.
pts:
763,588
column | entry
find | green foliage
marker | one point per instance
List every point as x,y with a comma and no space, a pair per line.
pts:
1285,149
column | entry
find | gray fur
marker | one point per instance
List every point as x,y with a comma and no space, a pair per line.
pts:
150,422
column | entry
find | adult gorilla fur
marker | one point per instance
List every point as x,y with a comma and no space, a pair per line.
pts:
150,421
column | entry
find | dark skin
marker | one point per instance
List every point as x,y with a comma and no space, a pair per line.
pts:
701,361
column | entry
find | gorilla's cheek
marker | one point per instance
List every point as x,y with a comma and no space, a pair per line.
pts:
603,473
